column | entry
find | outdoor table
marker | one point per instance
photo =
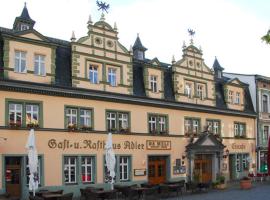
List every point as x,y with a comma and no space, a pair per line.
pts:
174,187
51,196
102,194
140,191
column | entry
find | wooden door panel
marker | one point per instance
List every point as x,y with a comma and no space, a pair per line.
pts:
13,180
157,171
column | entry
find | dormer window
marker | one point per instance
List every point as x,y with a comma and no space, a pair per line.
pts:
39,65
93,74
237,98
153,83
20,62
219,74
140,55
230,97
24,27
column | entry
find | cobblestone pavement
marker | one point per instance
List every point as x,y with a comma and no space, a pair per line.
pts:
259,191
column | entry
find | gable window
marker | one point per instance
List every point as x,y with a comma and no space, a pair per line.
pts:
93,74
239,129
157,124
24,27
192,126
87,169
213,126
230,97
117,121
70,169
188,90
265,103
112,76
77,117
200,91
237,98
20,62
124,165
39,68
153,83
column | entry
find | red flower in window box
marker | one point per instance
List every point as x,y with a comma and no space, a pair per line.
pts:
15,125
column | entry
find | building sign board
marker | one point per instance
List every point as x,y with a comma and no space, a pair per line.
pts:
158,145
139,172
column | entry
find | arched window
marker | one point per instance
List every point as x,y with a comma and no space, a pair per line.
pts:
265,103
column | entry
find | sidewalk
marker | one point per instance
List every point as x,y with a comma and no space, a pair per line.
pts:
259,191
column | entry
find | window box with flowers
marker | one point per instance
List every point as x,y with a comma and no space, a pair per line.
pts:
86,128
124,130
72,127
14,125
33,124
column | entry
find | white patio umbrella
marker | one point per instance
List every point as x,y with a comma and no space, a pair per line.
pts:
32,161
110,158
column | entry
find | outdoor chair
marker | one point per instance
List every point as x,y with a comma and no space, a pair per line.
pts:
191,186
151,193
130,194
83,194
67,196
164,190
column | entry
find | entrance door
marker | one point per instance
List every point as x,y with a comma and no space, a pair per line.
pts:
156,170
203,168
13,176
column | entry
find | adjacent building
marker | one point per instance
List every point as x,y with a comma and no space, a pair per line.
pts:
170,121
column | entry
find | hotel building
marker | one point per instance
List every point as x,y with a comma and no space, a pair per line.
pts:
170,121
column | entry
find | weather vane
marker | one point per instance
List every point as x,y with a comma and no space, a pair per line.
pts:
103,6
191,33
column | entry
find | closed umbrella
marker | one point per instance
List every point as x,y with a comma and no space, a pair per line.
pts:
110,158
32,161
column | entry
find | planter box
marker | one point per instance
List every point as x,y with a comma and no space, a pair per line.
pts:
245,184
221,186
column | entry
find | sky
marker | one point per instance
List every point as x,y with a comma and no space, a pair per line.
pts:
228,29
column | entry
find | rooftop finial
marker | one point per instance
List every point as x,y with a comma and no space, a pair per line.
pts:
102,18
103,7
173,59
138,35
25,4
73,38
89,20
115,26
131,50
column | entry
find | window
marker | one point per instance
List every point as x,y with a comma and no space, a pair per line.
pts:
192,126
200,91
22,114
188,90
77,117
87,169
239,129
238,169
237,98
230,97
244,161
117,121
20,62
24,27
157,124
264,103
112,76
38,170
153,83
32,114
265,133
15,114
93,74
39,68
70,169
213,126
124,168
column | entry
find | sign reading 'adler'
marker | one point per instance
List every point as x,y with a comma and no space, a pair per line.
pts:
100,145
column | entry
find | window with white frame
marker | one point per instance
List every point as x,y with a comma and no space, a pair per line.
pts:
230,96
188,90
213,126
32,114
188,126
236,129
87,165
244,161
112,76
38,175
264,103
111,120
124,168
85,118
15,114
39,68
200,91
237,98
238,168
265,133
192,125
123,121
239,129
153,83
93,74
157,123
70,169
71,116
195,126
20,61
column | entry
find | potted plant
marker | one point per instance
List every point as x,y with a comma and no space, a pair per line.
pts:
245,183
32,124
220,182
72,127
